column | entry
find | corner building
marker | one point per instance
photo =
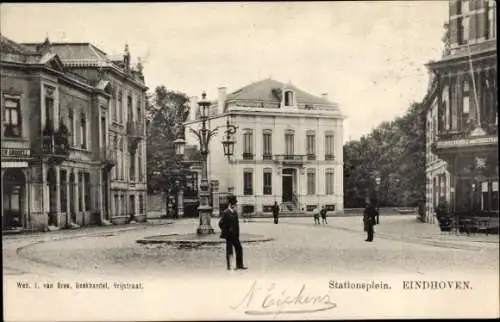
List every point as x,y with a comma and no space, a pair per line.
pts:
462,113
68,160
288,148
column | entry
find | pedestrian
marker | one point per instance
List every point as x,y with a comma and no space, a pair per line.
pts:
316,212
230,231
323,215
369,219
276,212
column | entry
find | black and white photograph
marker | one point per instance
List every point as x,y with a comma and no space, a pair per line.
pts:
319,160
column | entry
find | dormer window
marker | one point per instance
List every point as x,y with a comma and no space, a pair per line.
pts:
289,98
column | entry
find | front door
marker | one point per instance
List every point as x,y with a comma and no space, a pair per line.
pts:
287,188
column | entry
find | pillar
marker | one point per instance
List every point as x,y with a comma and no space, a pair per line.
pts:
58,195
2,173
68,198
100,201
180,203
82,196
215,197
45,197
76,195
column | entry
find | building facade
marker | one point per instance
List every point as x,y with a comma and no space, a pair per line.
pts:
288,148
68,160
462,113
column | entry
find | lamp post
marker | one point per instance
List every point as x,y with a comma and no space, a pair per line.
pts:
204,135
377,181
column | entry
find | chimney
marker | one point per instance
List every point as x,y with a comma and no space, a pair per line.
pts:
193,108
221,100
324,96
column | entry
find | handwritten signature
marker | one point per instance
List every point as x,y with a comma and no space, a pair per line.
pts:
272,300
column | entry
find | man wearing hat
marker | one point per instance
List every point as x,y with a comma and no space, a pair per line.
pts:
230,231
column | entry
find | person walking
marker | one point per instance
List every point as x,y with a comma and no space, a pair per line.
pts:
230,231
276,212
369,219
316,212
323,212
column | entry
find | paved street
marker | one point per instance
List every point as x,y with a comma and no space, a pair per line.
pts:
401,246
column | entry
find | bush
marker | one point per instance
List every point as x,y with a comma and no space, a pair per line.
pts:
443,209
421,212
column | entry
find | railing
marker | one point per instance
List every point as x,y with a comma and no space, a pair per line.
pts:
247,156
267,157
329,157
290,158
311,156
16,153
52,145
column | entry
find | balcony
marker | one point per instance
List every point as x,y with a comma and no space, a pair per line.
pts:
135,133
449,143
267,157
290,159
54,145
311,156
108,157
247,156
329,157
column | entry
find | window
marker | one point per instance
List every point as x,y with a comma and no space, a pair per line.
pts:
311,145
12,119
116,204
268,184
289,98
123,209
139,162
114,106
141,204
71,122
80,190
289,146
329,146
119,107
129,108
63,191
491,20
329,181
247,182
88,189
247,145
103,131
268,145
49,112
139,112
311,182
83,130
466,98
132,166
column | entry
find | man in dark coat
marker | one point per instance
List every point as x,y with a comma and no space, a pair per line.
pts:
230,231
369,218
276,212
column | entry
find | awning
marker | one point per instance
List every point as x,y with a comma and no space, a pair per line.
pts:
14,164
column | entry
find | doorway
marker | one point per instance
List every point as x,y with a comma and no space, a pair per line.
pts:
13,191
288,185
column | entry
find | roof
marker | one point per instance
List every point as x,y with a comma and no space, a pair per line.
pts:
11,47
265,91
74,51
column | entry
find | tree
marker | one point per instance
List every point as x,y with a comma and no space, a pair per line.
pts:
396,151
166,111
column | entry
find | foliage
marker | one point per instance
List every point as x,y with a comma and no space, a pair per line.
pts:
166,109
443,209
395,151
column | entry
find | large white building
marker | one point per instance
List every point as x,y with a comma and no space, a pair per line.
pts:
288,148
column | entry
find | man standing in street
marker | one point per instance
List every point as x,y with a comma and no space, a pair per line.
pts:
323,214
276,212
369,217
230,231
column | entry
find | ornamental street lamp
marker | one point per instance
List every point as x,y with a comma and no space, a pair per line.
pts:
204,135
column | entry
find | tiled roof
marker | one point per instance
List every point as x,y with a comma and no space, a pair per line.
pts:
264,92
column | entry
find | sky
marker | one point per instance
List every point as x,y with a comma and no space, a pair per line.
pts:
368,56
